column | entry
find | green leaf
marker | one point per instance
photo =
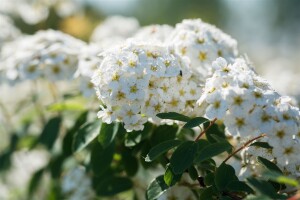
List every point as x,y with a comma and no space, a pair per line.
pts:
66,106
193,173
265,188
86,134
224,175
279,178
107,133
101,158
183,156
173,116
262,145
50,132
130,163
195,122
170,178
34,182
215,129
156,188
163,133
209,179
135,137
68,139
238,186
209,193
260,197
113,185
269,165
161,148
212,150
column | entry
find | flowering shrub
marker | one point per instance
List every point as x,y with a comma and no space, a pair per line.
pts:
182,116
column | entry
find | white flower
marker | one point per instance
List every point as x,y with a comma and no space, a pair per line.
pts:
202,43
133,80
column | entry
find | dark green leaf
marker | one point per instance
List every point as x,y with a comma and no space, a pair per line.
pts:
209,179
268,165
262,145
238,186
50,132
156,188
224,175
130,163
107,133
163,133
135,137
195,122
265,188
170,178
114,185
161,148
208,193
214,130
193,173
212,150
34,182
101,158
183,156
173,116
85,135
55,165
68,139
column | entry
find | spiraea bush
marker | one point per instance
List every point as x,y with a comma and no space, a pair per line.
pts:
154,113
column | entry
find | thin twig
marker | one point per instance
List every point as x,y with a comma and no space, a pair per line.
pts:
203,132
244,146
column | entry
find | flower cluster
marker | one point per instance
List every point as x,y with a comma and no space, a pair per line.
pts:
33,12
154,33
8,31
202,43
49,54
88,62
137,81
110,28
249,107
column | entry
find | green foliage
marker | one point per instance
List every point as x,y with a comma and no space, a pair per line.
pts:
212,150
161,148
156,188
107,133
114,185
195,122
183,156
85,135
50,132
173,116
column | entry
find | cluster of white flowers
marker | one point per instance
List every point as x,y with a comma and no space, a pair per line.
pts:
202,43
76,185
137,81
49,54
154,33
249,107
115,27
8,31
33,12
88,62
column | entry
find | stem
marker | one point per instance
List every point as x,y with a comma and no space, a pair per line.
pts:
203,132
37,105
244,146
